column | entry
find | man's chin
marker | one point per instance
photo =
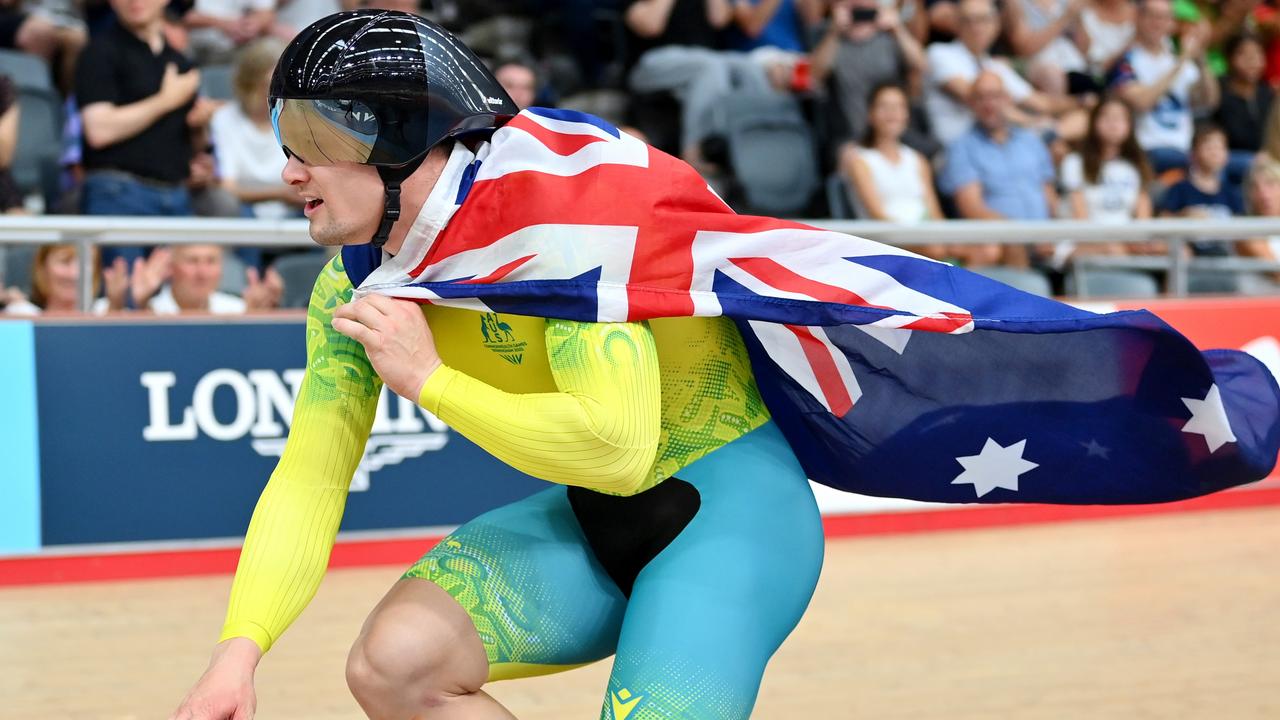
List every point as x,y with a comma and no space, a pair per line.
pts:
337,237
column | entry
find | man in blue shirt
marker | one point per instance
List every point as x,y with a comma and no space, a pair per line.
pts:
998,171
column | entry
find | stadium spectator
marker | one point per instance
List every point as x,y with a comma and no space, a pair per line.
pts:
677,45
1049,35
997,170
863,46
1164,88
1246,104
216,28
892,182
56,40
1262,188
1106,181
943,20
185,278
1108,31
138,106
775,33
55,284
1203,193
953,67
520,81
1266,22
10,197
1218,21
248,158
780,24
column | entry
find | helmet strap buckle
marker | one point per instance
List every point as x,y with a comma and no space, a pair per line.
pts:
390,212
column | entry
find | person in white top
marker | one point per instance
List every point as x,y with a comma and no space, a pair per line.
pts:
891,182
1049,35
218,27
1108,31
953,66
1162,87
244,145
1106,181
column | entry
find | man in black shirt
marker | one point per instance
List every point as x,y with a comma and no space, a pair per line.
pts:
136,95
677,46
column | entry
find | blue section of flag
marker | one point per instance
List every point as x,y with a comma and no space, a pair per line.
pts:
574,116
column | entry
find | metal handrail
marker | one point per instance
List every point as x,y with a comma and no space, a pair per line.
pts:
88,231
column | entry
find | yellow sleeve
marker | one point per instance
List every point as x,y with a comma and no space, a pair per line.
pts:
286,550
599,431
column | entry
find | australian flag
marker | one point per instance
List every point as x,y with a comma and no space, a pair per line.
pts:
890,374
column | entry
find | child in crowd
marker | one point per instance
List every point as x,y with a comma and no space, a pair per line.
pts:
1204,193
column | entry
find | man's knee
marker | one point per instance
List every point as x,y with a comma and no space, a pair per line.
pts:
410,654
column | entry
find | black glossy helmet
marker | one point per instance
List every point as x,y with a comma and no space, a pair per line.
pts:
381,88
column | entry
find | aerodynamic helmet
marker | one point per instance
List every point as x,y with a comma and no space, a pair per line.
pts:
381,88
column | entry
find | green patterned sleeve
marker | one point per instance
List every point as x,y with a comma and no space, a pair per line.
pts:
296,521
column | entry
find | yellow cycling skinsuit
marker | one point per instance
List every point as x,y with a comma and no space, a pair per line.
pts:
680,533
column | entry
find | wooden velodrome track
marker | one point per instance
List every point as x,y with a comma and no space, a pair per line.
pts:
1162,616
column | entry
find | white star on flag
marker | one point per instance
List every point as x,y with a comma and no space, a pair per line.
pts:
1209,418
995,467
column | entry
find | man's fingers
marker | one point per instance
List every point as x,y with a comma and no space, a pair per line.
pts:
355,331
369,314
382,303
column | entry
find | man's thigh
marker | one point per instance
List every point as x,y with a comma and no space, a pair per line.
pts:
525,575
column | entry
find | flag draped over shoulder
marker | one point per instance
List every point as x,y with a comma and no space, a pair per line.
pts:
890,374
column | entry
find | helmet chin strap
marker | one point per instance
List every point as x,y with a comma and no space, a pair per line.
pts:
391,179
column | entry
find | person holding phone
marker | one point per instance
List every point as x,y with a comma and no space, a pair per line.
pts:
864,46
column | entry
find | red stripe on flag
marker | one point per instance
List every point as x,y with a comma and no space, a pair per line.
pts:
500,273
824,368
559,143
948,323
775,274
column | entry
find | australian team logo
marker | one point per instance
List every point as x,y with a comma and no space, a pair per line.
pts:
499,338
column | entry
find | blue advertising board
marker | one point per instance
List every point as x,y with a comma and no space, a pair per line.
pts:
169,430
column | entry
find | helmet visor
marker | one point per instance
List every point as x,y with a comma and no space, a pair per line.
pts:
327,131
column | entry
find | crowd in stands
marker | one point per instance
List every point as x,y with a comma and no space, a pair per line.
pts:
904,110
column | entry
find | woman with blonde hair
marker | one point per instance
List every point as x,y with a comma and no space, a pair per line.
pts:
249,160
1262,198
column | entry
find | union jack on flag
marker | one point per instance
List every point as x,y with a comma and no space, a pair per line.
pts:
890,374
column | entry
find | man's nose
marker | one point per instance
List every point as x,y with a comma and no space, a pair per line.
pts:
295,171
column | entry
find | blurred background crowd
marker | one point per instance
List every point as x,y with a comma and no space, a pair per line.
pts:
892,110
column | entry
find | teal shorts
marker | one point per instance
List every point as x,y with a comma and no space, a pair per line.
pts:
692,585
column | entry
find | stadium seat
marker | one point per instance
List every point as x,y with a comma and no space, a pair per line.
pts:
771,151
1025,280
16,270
215,82
1112,283
27,71
840,198
36,163
233,280
299,272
